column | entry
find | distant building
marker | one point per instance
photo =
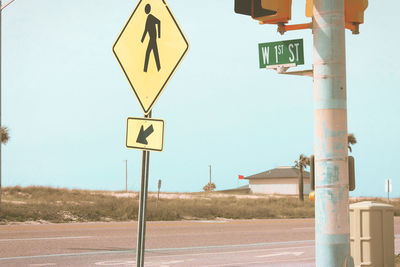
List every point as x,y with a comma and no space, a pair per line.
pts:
281,180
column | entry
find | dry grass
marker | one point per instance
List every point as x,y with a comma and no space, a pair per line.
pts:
46,204
62,205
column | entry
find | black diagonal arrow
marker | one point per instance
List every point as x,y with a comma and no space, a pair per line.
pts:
143,134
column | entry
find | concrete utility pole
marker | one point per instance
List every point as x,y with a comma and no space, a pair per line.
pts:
332,230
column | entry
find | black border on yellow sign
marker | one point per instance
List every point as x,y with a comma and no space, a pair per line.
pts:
142,148
173,70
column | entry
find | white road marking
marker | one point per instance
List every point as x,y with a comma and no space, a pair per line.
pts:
303,228
44,238
130,262
173,262
43,264
205,221
68,254
281,254
168,263
259,262
159,250
115,262
230,252
235,245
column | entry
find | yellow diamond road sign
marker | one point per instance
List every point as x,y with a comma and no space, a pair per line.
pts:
149,49
145,133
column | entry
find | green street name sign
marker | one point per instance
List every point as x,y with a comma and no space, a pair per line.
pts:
280,53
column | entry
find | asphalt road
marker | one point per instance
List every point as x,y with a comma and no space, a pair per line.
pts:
184,243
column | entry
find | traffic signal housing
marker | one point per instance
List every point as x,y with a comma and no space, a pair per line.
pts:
309,8
353,13
265,11
352,176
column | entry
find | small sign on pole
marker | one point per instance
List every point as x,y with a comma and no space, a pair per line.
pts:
145,133
281,53
148,55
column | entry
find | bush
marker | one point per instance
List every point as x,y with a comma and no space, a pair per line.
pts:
209,187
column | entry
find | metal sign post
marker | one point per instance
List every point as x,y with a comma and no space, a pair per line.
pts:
144,183
148,57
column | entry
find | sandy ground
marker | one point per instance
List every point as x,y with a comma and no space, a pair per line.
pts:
194,195
219,195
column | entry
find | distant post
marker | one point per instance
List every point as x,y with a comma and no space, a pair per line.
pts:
158,193
126,175
210,173
388,187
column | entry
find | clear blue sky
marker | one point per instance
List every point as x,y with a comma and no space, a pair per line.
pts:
66,100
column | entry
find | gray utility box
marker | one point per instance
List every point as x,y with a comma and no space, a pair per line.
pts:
372,234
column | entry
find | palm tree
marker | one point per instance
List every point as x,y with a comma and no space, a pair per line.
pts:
301,164
4,135
351,140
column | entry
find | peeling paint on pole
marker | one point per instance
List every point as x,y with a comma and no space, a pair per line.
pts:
332,231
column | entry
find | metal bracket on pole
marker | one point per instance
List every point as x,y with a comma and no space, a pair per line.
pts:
282,28
5,5
282,69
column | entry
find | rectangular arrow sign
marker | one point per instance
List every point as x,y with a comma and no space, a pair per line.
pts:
279,53
145,134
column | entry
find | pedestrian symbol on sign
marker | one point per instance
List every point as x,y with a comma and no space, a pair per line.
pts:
148,57
150,28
